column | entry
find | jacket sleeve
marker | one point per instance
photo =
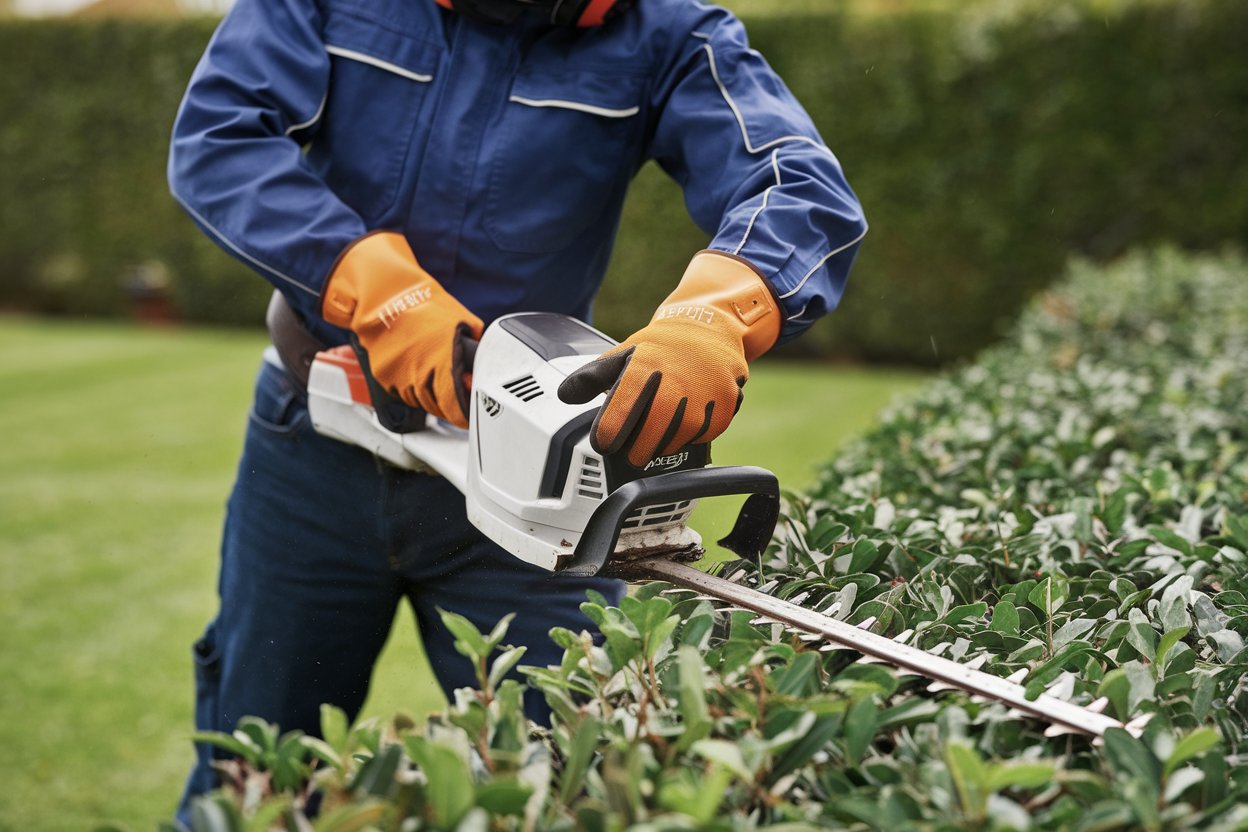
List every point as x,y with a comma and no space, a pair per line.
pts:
235,162
756,174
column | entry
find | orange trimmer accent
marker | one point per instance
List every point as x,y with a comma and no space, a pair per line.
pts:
344,358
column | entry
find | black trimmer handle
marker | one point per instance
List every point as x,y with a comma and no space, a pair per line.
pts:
395,414
750,533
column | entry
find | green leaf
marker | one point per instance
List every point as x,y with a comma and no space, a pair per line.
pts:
800,678
698,798
504,663
335,727
961,613
376,775
468,639
238,746
1020,776
691,697
1071,630
449,792
268,813
1049,595
1192,745
1237,528
287,765
659,635
1141,635
1115,512
1143,684
1132,759
322,751
215,813
1173,613
1202,698
1005,618
864,556
970,777
860,726
1167,643
503,797
725,754
826,532
823,731
577,757
1213,766
696,631
353,817
499,632
1040,677
1106,816
1168,537
261,733
623,641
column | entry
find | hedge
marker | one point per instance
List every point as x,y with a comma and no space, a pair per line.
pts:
1071,507
985,151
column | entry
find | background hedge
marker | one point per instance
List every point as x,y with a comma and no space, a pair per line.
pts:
984,149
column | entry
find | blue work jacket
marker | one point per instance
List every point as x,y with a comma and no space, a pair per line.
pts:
503,153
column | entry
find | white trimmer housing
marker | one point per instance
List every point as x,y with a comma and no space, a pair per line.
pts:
531,480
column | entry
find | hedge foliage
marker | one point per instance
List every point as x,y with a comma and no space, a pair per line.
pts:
1073,506
984,149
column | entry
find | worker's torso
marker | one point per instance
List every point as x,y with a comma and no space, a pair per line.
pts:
502,152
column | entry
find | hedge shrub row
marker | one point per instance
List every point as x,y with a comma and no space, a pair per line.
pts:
1074,506
985,150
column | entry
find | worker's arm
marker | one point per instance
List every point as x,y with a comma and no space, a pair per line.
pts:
785,225
756,174
236,164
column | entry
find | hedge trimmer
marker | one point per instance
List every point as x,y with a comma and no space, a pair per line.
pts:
535,486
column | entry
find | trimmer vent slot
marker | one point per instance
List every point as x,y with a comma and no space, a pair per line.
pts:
666,514
525,388
590,482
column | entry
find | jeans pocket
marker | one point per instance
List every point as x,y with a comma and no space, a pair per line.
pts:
207,657
280,406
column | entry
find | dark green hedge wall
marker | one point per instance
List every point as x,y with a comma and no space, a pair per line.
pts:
985,154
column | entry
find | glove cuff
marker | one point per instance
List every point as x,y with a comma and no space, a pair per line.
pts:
382,260
728,294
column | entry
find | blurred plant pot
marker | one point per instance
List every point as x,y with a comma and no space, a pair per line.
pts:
149,300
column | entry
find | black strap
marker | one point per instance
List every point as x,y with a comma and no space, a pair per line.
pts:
295,343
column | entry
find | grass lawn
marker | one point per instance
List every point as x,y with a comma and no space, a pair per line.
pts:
119,448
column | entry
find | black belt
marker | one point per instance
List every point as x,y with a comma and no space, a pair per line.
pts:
296,345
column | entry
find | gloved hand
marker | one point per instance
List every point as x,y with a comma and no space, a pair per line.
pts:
678,380
409,326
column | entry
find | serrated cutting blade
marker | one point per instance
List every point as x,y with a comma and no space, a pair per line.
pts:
945,673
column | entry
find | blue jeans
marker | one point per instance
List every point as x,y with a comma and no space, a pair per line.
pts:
321,543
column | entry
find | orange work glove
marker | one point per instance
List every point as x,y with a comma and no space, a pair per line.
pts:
679,379
407,324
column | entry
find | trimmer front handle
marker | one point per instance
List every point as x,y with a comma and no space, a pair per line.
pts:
750,533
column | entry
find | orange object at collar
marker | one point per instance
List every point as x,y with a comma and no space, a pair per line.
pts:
593,12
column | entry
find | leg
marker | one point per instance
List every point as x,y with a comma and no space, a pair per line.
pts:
449,564
307,593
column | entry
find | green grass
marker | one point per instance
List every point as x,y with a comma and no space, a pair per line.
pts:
119,449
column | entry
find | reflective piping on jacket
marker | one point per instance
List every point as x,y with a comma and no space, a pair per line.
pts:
736,111
228,243
819,265
775,165
575,105
352,55
303,125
